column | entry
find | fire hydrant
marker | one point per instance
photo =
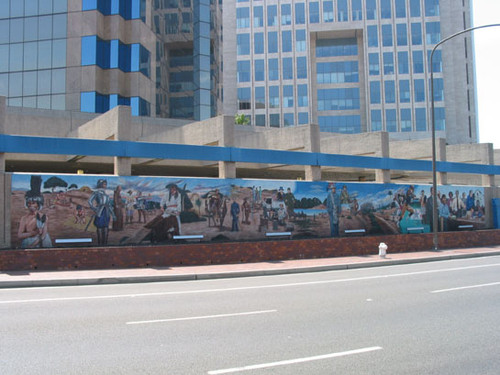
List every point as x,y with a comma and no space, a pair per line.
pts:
382,248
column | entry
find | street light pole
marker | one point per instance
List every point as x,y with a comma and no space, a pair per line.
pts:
434,174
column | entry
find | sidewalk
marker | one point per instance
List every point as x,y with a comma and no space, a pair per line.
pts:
13,279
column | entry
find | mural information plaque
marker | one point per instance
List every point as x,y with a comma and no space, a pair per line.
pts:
90,210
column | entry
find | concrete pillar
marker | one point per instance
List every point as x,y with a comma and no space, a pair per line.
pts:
442,177
123,121
226,138
383,176
312,144
4,187
488,157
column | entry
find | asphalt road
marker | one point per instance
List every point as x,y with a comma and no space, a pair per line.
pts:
427,318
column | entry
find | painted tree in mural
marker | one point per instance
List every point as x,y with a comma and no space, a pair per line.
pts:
54,182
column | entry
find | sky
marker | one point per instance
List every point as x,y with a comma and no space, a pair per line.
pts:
487,61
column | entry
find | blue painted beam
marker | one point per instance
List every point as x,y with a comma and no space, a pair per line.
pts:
91,147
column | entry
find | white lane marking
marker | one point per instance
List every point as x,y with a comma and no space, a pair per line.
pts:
294,361
216,290
464,287
203,317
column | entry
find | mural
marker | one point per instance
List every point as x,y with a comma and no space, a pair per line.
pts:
52,210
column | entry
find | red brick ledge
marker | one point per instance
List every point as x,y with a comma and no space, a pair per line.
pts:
233,252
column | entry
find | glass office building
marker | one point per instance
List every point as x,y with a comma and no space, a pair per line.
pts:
159,57
355,66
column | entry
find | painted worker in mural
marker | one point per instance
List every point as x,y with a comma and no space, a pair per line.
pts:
333,209
171,204
290,203
100,203
33,227
118,207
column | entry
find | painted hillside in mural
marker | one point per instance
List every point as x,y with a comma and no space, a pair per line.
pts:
62,210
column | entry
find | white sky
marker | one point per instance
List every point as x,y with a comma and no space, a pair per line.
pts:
487,60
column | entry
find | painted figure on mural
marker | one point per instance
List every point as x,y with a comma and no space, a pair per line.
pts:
140,205
129,207
290,203
333,209
118,206
408,199
444,213
100,203
80,215
33,227
235,211
172,205
246,211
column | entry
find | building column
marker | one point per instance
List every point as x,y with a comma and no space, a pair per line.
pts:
383,176
312,144
227,169
442,177
123,121
488,157
4,187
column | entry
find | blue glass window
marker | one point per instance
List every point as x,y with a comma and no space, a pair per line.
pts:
431,8
420,119
272,42
303,118
313,12
288,68
406,120
171,23
181,81
372,35
272,15
327,11
336,47
390,120
371,9
274,120
244,97
260,120
59,26
374,92
45,54
337,72
260,70
243,44
419,90
418,62
286,14
286,41
342,13
387,35
258,43
400,8
300,40
349,124
404,91
243,71
432,32
274,73
440,118
376,117
357,10
4,58
415,8
16,57
385,9
258,16
288,96
416,34
30,29
89,50
302,96
44,27
288,119
274,96
300,14
16,30
260,97
390,91
388,63
438,89
403,66
437,61
301,67
402,37
242,17
180,107
373,64
338,99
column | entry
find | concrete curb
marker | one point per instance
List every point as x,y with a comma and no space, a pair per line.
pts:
233,274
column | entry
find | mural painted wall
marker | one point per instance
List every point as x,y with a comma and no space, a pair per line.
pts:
57,210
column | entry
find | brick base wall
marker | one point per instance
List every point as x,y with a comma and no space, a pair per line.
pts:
233,252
